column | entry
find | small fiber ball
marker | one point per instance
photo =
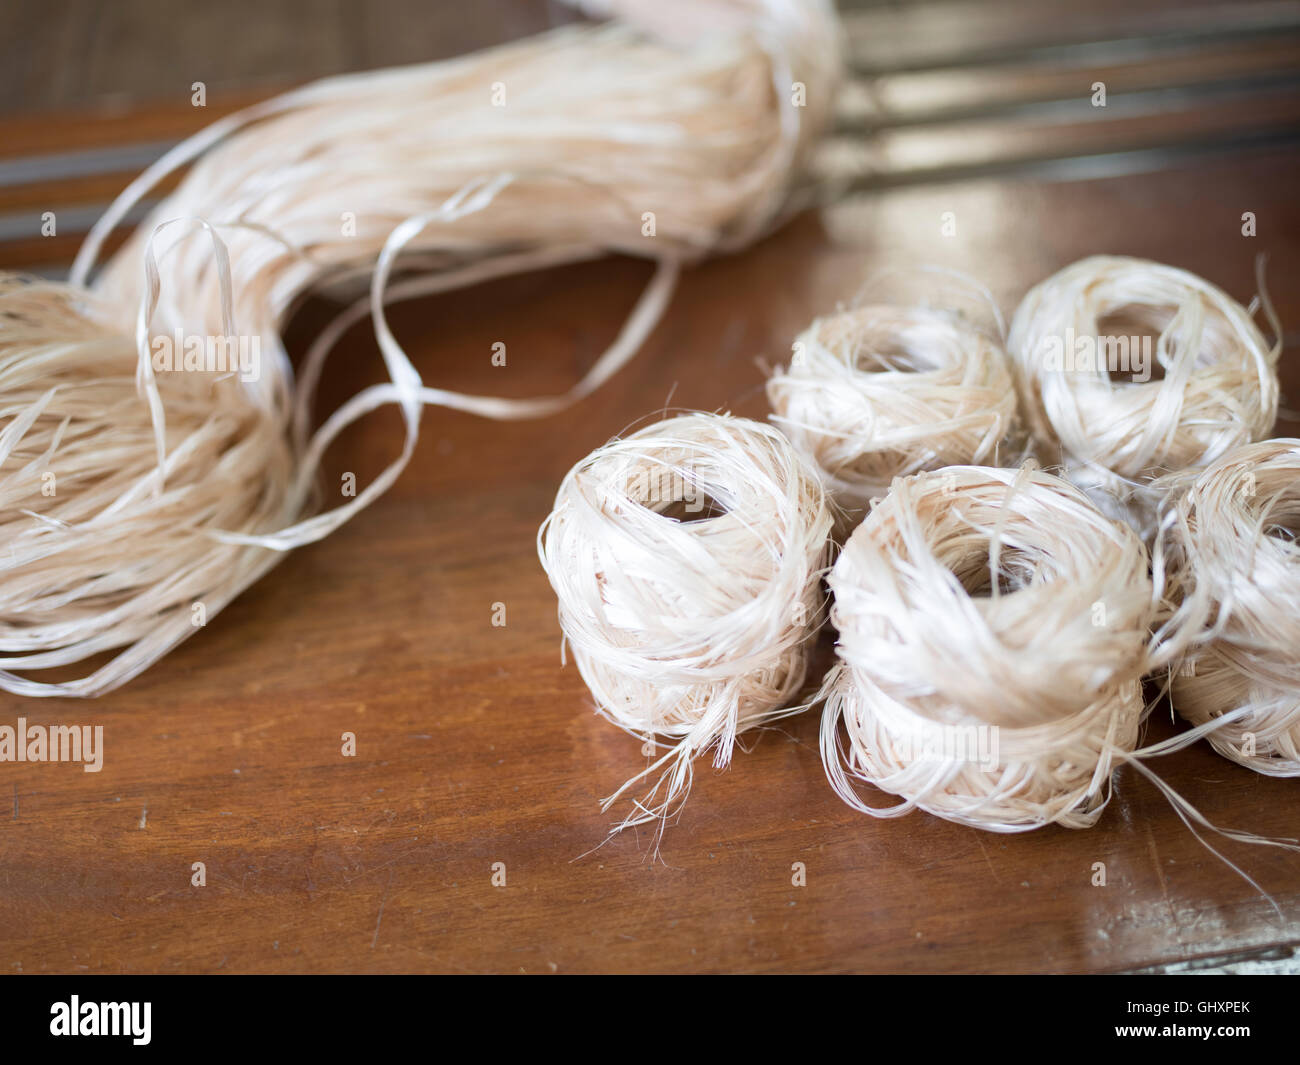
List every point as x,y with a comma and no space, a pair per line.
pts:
1128,370
687,559
993,629
1233,561
881,392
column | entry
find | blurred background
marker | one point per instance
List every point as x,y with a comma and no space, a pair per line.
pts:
91,91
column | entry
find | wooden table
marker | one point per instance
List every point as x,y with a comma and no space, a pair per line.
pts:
476,751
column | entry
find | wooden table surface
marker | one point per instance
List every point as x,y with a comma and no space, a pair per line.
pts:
475,747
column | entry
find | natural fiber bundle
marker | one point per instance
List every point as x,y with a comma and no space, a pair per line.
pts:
1096,402
607,138
881,392
993,627
106,544
697,629
1228,542
585,129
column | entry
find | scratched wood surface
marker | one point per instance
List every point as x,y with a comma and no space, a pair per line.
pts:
475,747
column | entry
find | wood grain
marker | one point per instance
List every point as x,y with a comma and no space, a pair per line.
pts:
475,747
60,54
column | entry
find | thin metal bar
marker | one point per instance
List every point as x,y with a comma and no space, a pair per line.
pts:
1084,50
1152,100
71,220
90,162
1134,159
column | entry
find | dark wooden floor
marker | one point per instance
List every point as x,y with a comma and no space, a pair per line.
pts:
474,746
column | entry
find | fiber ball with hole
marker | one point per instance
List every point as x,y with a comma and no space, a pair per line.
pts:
993,629
882,391
687,560
1233,563
1128,370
